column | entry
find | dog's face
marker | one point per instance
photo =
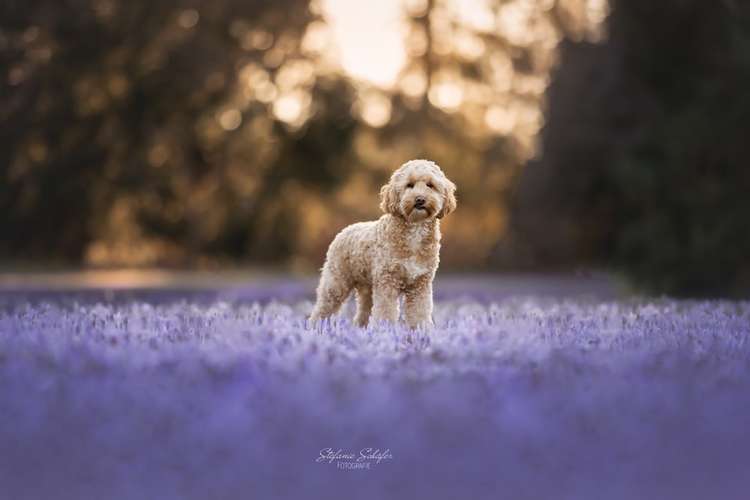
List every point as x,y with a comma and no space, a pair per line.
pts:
418,191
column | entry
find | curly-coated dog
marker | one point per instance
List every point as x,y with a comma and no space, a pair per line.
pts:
394,255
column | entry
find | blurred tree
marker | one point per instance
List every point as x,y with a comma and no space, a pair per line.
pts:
142,132
645,150
470,98
159,132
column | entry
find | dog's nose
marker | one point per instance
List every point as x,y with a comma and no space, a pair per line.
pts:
419,201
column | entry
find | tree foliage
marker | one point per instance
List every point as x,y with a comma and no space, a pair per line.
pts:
144,130
469,97
645,153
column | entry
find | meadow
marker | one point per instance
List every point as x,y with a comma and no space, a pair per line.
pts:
547,389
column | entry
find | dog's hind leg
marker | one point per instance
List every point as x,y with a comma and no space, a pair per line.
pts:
332,292
364,305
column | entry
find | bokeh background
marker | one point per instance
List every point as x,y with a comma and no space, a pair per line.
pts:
206,134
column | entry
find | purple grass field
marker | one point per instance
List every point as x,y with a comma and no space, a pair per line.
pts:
528,388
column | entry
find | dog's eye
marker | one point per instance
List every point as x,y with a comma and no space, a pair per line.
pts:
429,185
410,185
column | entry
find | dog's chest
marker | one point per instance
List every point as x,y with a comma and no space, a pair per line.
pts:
415,238
412,268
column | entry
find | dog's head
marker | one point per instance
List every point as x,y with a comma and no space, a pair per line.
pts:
418,191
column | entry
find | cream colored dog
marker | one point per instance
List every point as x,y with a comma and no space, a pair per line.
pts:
396,254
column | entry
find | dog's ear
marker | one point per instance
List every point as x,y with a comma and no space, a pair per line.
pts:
449,199
389,199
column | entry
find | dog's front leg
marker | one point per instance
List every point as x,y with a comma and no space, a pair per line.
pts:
418,305
384,302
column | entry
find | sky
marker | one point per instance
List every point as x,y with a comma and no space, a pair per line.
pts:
369,34
369,37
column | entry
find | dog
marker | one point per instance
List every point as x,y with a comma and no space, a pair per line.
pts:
395,255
